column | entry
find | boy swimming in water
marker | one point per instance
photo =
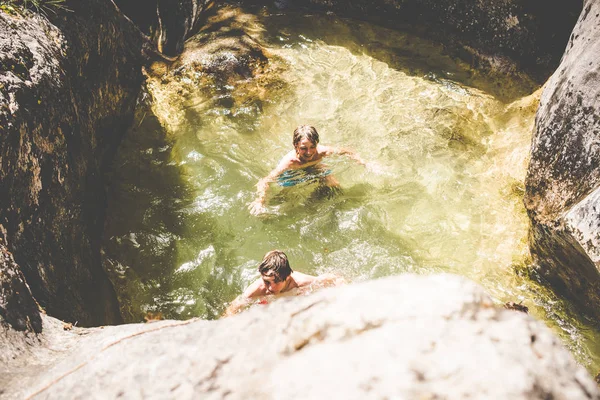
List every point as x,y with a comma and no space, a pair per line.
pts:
276,277
307,153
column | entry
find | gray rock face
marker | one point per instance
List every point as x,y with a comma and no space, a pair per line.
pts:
406,337
67,93
563,178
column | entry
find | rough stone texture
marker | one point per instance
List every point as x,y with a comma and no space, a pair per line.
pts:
25,354
167,22
17,305
67,92
496,34
563,177
583,219
406,337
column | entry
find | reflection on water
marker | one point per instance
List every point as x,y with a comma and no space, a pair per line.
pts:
446,197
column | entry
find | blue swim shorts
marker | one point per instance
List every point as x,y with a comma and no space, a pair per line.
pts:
292,177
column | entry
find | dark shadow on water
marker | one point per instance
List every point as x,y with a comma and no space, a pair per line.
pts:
150,222
323,192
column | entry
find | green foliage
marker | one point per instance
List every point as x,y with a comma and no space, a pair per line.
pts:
39,6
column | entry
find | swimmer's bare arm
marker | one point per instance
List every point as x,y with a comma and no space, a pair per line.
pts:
258,205
324,279
329,150
303,279
329,280
256,289
236,306
370,166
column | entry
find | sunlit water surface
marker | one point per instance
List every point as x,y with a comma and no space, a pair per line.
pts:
445,196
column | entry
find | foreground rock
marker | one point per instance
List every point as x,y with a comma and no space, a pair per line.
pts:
401,337
563,179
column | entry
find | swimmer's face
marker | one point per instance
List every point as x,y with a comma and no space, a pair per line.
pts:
306,150
274,284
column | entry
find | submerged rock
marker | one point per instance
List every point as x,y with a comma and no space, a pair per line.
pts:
400,337
563,179
224,68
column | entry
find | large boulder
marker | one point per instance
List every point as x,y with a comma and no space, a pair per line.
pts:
68,89
410,336
563,178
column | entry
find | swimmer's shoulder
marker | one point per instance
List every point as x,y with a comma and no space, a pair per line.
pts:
256,288
289,161
303,279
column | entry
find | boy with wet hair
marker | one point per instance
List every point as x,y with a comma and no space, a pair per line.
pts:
305,132
276,277
275,264
307,153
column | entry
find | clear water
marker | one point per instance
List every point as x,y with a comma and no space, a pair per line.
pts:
450,147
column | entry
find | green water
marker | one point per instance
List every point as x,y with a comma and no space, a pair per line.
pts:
450,149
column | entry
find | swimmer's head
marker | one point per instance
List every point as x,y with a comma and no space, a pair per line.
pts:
305,132
274,270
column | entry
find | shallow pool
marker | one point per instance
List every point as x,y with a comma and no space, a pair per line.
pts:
449,148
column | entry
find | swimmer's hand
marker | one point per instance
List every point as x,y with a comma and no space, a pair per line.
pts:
330,280
257,207
236,306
